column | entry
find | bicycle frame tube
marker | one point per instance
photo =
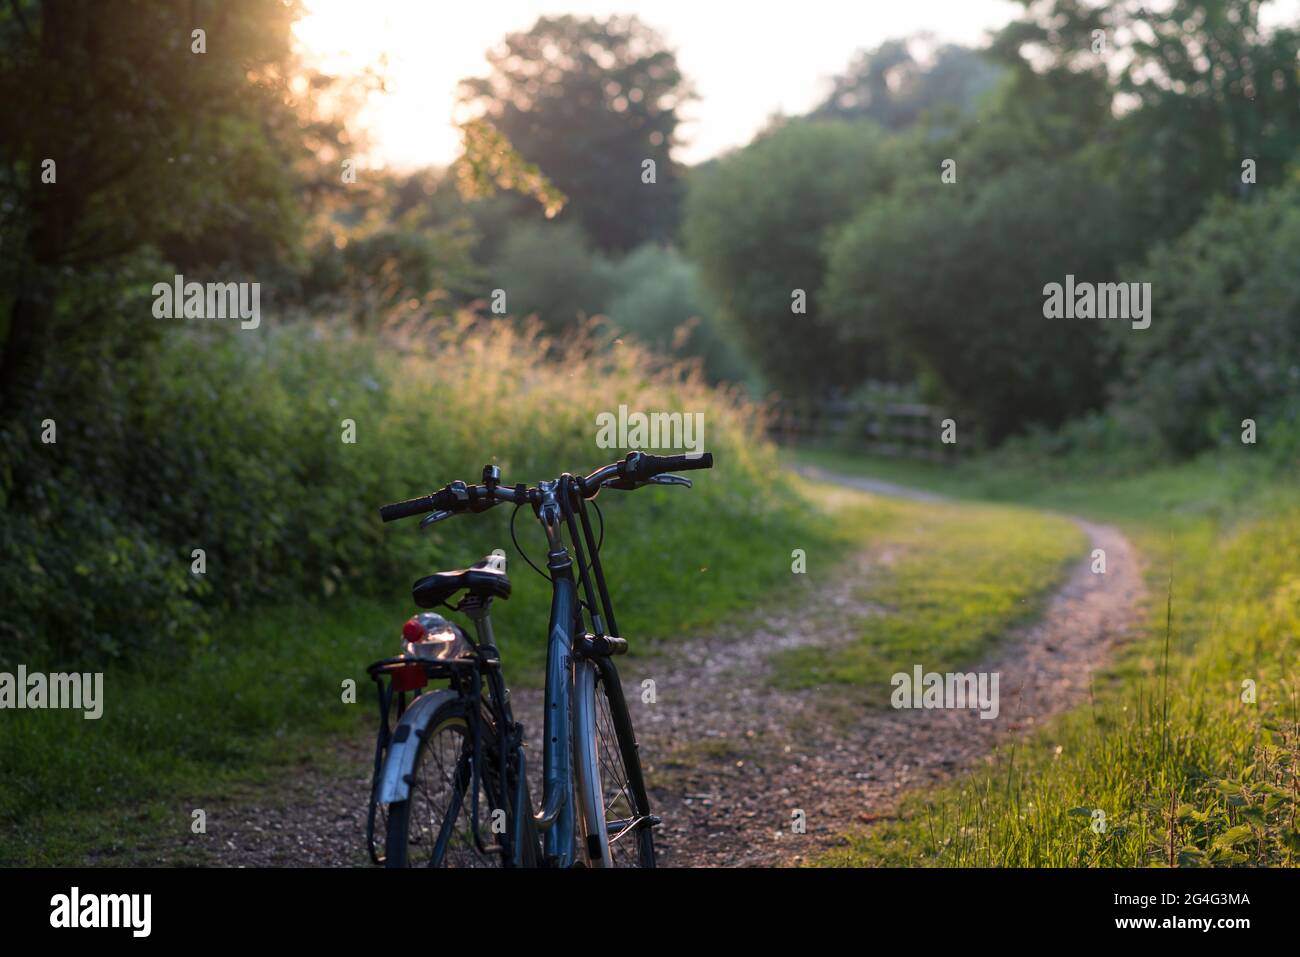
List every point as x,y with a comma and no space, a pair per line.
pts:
557,819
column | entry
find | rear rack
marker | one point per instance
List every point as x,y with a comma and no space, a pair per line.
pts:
408,675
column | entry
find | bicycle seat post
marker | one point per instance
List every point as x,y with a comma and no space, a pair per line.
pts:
478,610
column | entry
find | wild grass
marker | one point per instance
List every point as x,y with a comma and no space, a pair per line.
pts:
951,580
1188,754
304,586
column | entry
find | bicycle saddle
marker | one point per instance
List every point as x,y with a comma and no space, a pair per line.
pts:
484,579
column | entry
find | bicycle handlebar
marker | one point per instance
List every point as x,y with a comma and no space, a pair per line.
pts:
631,472
452,498
640,466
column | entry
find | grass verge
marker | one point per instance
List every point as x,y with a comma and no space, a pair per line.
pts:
1189,755
249,455
952,580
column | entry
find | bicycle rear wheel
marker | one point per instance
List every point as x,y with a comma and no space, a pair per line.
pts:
433,827
615,820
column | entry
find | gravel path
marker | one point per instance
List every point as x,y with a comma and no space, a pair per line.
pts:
730,758
771,752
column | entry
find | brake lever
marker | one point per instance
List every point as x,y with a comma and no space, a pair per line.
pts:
620,483
666,479
435,517
661,479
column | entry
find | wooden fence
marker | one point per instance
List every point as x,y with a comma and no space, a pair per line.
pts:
907,430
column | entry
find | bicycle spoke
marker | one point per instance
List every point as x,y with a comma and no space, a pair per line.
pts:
621,815
440,802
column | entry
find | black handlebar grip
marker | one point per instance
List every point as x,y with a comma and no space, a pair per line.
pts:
649,465
704,461
414,506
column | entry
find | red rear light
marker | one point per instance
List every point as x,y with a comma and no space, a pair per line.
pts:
409,678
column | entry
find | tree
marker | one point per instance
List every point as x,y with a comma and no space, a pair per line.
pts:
890,86
1199,85
549,270
590,102
128,138
655,296
1224,343
955,279
757,223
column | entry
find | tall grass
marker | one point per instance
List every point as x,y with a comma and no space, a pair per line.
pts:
233,443
1188,753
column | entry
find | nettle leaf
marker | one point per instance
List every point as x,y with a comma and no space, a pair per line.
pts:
1255,814
1233,836
1191,857
1220,857
1232,792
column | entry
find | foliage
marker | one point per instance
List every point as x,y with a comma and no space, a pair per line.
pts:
490,161
655,296
550,271
1111,130
943,288
757,222
1224,342
111,95
1202,84
231,443
397,240
891,86
589,101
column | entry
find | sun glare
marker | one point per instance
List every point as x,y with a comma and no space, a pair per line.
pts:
744,67
420,50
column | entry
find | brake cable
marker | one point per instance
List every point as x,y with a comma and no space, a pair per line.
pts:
519,548
524,555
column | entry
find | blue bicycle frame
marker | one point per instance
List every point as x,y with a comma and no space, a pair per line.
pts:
557,819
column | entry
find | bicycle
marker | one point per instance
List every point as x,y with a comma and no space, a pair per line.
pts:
457,751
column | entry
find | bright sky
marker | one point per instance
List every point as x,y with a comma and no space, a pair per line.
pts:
747,60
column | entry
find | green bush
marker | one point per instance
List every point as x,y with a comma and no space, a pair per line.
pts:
231,442
655,296
956,283
1224,342
757,222
550,271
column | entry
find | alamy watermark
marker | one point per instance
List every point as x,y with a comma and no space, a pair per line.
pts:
930,689
37,690
179,299
1104,300
75,909
650,430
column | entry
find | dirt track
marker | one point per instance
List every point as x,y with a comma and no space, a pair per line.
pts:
730,758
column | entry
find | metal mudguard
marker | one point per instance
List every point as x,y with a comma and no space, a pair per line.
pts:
399,762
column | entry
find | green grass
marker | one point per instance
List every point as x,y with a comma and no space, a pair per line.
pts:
285,508
270,685
955,579
265,695
1182,768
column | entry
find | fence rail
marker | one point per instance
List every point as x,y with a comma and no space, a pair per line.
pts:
908,430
